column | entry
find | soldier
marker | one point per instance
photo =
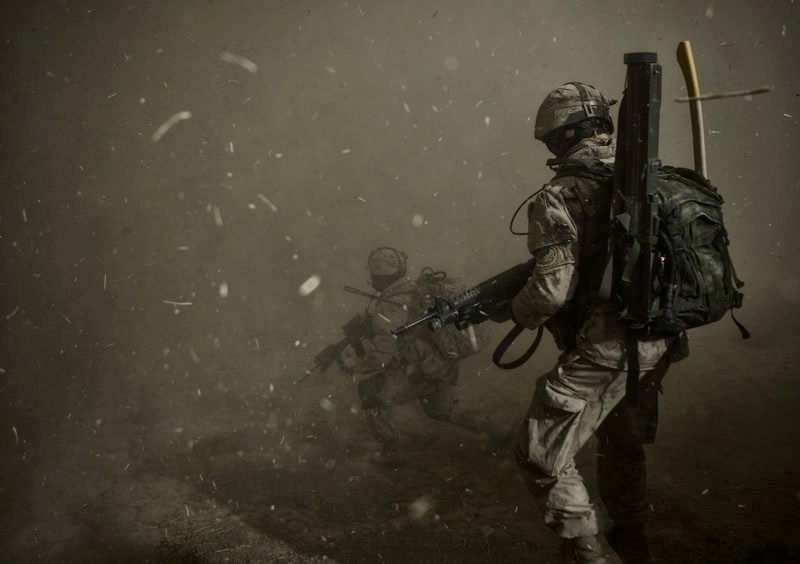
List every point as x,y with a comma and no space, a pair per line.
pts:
401,369
568,235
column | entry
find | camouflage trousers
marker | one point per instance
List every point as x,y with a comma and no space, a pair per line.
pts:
575,400
437,396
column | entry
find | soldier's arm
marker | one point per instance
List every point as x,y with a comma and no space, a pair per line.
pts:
553,240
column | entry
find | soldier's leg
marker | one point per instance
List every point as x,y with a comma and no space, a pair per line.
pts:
567,407
441,403
378,393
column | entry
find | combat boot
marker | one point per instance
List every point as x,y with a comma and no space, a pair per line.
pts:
586,550
630,543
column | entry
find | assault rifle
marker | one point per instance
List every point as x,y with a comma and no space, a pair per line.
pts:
353,332
479,303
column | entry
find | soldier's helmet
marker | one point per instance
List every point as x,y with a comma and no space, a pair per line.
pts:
571,104
387,261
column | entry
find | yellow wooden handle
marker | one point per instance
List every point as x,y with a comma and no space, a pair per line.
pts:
686,62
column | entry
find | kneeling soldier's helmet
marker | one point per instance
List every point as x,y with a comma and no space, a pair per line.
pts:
387,261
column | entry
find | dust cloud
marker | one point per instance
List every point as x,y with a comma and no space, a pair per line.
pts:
186,189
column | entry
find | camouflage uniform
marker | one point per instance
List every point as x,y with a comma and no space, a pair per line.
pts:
401,369
568,235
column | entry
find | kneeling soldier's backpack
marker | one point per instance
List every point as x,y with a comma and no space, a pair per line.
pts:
454,343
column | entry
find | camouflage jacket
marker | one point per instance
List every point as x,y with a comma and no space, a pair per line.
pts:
411,352
568,235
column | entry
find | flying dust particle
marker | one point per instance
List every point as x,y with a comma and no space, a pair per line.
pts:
246,64
418,508
309,285
223,290
417,220
167,125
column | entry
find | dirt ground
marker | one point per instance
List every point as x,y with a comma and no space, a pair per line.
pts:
284,475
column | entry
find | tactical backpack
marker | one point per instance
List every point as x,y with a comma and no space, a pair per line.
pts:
694,282
454,343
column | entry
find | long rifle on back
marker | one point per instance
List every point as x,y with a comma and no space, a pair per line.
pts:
635,203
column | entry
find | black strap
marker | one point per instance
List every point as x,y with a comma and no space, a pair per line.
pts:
506,342
745,333
632,383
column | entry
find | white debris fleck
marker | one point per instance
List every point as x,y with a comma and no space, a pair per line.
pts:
487,120
251,206
309,285
330,70
787,115
270,205
278,155
167,125
24,216
230,147
710,11
223,290
194,356
418,508
243,62
327,404
217,216
345,151
406,108
16,435
182,248
705,491
435,108
142,100
417,220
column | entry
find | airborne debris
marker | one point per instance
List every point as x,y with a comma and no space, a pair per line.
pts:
270,205
167,125
243,62
223,290
217,216
309,285
418,508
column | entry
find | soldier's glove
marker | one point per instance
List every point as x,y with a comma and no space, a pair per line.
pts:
349,359
503,315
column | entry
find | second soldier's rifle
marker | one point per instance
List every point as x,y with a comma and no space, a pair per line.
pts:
479,303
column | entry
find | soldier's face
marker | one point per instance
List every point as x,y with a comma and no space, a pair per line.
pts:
381,282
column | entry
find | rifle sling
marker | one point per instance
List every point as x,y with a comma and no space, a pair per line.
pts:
506,342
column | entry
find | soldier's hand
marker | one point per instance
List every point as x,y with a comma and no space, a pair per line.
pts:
503,315
349,359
